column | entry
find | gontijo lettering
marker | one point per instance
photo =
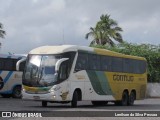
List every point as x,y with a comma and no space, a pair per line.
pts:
117,77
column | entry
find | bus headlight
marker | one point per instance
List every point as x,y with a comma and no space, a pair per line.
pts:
51,90
23,90
55,88
54,96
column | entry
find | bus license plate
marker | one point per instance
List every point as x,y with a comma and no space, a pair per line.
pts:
36,97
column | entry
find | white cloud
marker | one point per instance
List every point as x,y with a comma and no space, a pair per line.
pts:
31,23
53,7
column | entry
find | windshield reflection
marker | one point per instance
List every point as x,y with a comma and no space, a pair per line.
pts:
48,70
40,70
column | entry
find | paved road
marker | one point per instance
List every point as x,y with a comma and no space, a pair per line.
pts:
11,104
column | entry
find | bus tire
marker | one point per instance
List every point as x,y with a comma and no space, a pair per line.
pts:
124,100
17,92
131,98
1,83
99,103
74,99
6,95
44,103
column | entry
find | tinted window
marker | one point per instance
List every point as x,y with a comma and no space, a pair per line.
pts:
94,62
82,61
134,66
109,63
143,66
22,65
117,64
126,65
1,64
106,63
8,64
71,56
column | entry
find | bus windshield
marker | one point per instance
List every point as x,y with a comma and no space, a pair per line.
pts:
40,70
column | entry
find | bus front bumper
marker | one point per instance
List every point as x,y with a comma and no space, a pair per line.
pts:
39,97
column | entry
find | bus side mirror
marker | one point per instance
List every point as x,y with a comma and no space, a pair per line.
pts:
59,62
19,62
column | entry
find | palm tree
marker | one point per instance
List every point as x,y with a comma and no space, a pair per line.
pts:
95,34
105,32
2,32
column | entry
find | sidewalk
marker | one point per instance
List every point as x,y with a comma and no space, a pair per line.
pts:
153,90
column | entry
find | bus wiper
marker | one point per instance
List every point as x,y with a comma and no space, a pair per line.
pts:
39,77
41,74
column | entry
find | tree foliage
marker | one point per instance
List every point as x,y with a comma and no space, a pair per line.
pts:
105,32
150,52
2,32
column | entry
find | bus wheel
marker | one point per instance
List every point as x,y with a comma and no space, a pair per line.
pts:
74,100
117,103
124,100
1,83
99,103
44,103
17,92
131,98
6,95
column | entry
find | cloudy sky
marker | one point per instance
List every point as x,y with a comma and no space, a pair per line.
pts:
33,23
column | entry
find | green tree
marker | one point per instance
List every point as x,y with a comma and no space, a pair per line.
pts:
105,32
96,36
2,32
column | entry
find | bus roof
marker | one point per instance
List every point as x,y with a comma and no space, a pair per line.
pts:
58,49
14,56
69,48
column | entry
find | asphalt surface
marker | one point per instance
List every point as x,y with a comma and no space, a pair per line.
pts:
84,107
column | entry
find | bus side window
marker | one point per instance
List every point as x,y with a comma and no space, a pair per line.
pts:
106,63
143,66
127,65
8,65
63,71
140,66
81,63
117,64
94,62
1,64
136,64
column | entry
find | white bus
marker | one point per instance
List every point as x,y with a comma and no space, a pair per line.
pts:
71,73
10,79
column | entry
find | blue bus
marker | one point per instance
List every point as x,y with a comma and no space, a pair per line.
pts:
10,78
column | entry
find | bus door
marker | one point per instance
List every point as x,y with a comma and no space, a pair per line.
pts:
63,74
